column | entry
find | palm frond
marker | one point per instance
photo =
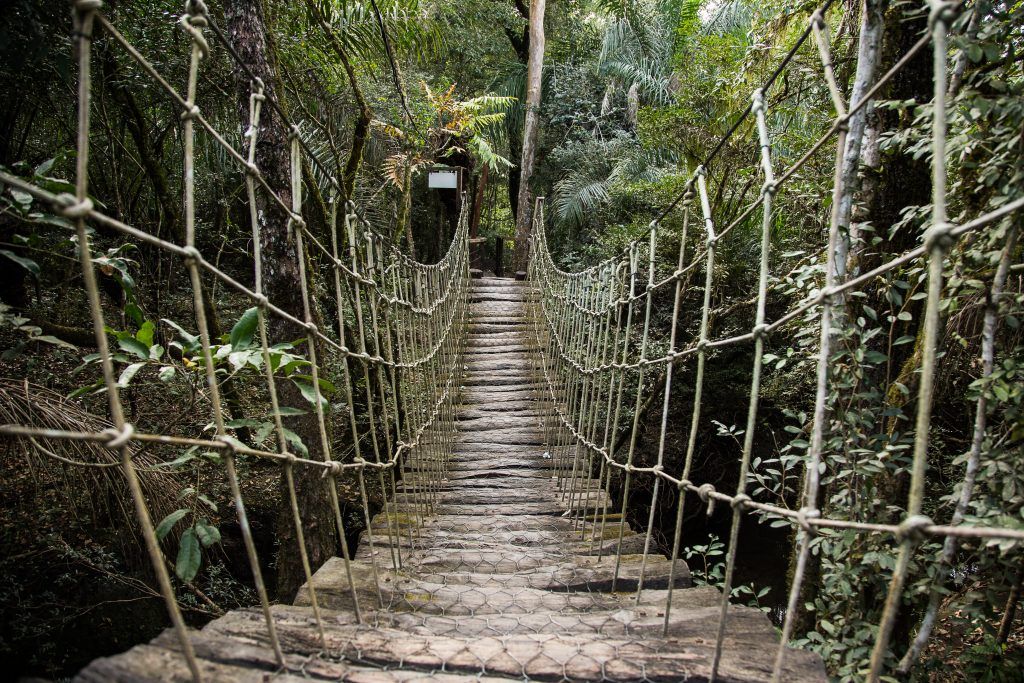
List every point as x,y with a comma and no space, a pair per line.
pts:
577,196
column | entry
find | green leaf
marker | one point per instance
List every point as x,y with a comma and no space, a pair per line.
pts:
129,373
207,534
185,457
133,346
23,198
26,263
296,442
168,522
190,339
190,555
286,411
263,432
166,373
145,333
49,339
44,168
244,329
306,389
81,391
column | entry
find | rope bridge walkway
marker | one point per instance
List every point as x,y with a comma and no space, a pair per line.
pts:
490,414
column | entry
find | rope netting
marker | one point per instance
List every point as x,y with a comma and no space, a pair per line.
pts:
397,337
594,332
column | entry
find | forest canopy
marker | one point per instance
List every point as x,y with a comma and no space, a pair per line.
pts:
634,96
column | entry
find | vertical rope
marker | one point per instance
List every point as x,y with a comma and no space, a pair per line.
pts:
76,208
635,428
937,242
698,388
193,22
812,465
741,497
666,399
256,99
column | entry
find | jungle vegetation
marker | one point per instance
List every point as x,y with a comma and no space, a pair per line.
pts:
634,94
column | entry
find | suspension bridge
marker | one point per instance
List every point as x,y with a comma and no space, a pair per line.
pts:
491,417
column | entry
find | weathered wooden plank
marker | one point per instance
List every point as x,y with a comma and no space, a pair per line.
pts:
542,656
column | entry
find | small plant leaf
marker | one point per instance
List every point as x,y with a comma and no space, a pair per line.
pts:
243,331
190,555
168,522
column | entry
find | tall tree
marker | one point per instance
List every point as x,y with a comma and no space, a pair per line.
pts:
524,214
248,32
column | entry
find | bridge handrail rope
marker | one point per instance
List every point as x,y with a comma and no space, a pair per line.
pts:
408,330
584,365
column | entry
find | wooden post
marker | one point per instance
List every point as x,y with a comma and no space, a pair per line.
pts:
499,256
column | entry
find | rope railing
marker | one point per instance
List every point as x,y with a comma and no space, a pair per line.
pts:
586,327
406,318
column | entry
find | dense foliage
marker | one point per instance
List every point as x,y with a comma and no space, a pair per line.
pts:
636,94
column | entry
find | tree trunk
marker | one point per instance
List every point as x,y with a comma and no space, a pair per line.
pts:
478,202
524,214
869,51
248,32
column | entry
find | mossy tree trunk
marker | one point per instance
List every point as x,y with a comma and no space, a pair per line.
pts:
248,32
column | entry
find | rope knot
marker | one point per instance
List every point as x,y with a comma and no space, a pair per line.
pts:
193,22
261,301
119,438
705,491
912,529
770,187
311,328
196,8
191,113
296,221
945,11
740,501
684,484
760,331
939,236
331,469
191,255
294,133
70,207
700,170
228,443
803,517
817,19
252,169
